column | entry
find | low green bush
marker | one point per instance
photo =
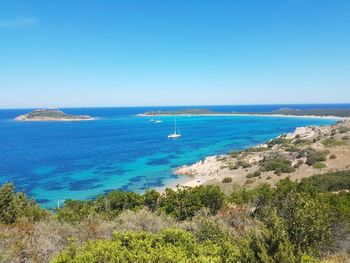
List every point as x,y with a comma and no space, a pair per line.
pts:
332,156
227,180
314,156
319,165
249,181
343,129
169,245
302,142
333,181
277,164
279,141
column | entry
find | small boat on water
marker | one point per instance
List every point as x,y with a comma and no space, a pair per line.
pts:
176,133
155,121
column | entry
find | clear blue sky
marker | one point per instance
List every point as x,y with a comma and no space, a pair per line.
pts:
179,52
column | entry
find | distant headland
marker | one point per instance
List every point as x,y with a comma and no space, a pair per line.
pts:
52,115
183,112
328,113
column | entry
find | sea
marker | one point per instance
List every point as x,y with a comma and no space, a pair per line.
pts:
56,161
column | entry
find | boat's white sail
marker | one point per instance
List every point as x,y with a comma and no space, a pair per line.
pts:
176,133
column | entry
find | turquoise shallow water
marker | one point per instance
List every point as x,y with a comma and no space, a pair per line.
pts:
54,161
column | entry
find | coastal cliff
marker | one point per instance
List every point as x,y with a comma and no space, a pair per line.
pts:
51,115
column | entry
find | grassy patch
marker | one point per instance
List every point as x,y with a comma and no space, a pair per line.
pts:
279,141
331,142
319,165
301,142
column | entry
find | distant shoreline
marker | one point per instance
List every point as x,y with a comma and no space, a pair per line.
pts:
245,114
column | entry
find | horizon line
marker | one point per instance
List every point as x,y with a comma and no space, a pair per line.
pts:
188,105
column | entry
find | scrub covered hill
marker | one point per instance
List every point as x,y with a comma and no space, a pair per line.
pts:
293,222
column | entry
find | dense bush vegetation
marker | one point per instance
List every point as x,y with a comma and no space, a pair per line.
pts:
292,222
227,180
277,164
182,204
16,205
314,156
169,245
330,181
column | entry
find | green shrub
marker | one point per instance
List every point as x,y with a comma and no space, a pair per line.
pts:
314,156
227,180
250,175
279,141
345,138
302,142
249,181
255,174
15,205
332,156
277,164
292,149
169,245
232,166
243,164
319,165
334,181
278,172
296,166
306,218
343,129
234,154
151,199
74,211
116,201
186,202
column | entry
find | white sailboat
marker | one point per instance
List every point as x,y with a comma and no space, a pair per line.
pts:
176,133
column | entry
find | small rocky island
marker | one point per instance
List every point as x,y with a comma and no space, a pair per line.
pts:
51,115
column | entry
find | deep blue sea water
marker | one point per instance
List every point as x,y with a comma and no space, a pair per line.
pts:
54,161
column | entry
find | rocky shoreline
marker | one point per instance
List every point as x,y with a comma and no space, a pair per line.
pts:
289,155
